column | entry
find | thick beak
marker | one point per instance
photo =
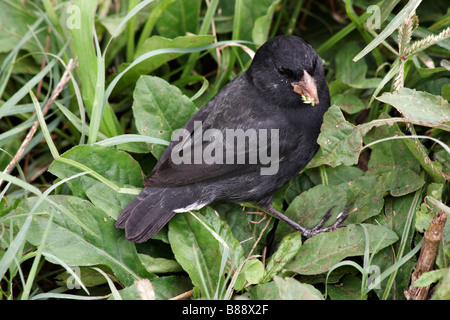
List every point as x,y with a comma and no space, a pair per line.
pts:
307,88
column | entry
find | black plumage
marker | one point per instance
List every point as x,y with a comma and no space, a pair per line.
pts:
283,89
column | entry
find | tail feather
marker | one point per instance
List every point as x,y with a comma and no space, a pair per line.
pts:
125,214
149,212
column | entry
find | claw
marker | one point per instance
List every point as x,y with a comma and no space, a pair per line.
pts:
324,219
308,233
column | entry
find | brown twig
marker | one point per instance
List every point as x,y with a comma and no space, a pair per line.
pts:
62,83
183,296
428,252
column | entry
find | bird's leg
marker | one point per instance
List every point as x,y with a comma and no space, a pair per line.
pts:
308,233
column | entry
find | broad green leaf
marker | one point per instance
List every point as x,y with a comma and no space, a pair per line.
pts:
199,253
310,206
115,165
442,291
253,271
319,253
159,109
155,43
68,241
164,288
299,184
288,248
427,209
350,72
16,17
336,175
171,286
251,11
246,13
242,222
340,141
348,288
420,107
285,289
367,194
291,289
87,275
179,18
159,265
393,160
391,154
235,253
261,27
349,103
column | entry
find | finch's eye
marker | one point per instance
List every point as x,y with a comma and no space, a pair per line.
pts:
281,71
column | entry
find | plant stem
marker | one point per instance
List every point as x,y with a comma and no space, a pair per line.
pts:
432,239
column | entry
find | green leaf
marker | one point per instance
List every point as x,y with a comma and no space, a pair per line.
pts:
367,194
16,18
291,289
251,11
68,241
261,27
442,291
336,175
420,107
159,109
349,103
287,249
243,225
319,253
155,43
171,286
235,253
253,271
310,206
393,160
350,72
179,18
88,276
114,165
391,154
285,289
246,13
348,288
341,142
159,265
199,252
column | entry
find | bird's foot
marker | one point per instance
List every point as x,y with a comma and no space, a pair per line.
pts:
308,233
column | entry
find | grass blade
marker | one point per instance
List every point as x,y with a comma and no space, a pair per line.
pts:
114,291
165,50
390,28
19,240
68,269
97,107
408,224
126,138
43,125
